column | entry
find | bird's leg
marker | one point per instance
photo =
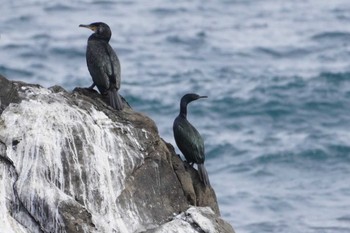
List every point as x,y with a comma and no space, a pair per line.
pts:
92,86
186,165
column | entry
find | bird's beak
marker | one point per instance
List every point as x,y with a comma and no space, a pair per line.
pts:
93,28
203,96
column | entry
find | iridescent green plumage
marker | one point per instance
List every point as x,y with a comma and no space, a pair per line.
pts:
103,63
188,139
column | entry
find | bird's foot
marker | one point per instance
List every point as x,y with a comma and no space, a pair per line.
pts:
92,86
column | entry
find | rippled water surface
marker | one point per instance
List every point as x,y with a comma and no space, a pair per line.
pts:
277,73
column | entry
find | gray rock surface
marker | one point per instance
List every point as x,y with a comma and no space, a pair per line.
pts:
71,163
194,219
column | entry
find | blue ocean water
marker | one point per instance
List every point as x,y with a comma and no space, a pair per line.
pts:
277,121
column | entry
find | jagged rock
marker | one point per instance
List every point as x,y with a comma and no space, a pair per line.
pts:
71,163
194,220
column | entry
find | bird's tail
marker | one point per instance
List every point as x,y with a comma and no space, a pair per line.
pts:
114,99
203,174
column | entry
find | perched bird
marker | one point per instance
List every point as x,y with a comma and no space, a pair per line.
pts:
188,139
103,63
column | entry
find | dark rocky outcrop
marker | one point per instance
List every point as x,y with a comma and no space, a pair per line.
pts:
71,163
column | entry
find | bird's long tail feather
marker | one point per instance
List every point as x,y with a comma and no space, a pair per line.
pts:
203,174
114,99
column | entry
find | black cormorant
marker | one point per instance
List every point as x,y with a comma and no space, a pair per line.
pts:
103,63
188,139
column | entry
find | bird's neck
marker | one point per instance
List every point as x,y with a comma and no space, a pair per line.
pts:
183,110
99,37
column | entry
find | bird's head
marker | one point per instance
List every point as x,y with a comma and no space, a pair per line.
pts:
101,29
190,97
